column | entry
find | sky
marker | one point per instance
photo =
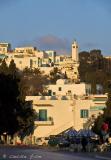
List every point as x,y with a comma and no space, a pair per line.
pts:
54,24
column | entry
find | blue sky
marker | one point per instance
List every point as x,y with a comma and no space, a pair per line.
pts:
54,24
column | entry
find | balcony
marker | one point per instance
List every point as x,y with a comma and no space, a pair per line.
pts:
100,100
97,108
49,121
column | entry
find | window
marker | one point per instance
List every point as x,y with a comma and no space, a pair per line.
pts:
3,49
84,113
57,60
42,115
20,62
64,98
49,92
50,54
54,93
60,89
31,62
69,92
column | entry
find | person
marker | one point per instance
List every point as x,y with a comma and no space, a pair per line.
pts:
84,143
104,132
77,144
109,139
105,127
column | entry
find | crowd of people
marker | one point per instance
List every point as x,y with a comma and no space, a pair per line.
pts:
86,142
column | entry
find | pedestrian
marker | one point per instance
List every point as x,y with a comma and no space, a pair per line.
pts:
104,131
77,144
109,139
84,143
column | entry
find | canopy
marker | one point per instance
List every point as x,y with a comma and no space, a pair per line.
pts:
86,133
71,133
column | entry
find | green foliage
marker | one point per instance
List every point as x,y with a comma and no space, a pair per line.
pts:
12,70
0,60
4,67
106,116
107,111
55,74
93,70
16,115
33,82
8,104
26,118
98,123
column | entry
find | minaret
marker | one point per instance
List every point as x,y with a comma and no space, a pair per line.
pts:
75,51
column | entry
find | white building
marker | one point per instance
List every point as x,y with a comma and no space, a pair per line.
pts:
75,51
70,64
23,61
33,58
56,114
5,48
69,106
25,50
63,87
51,55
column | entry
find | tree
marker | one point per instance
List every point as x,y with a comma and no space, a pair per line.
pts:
65,75
92,69
55,74
98,123
26,119
8,104
12,70
14,110
33,82
4,67
107,111
0,60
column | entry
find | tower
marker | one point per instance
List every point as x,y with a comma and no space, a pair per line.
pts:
75,51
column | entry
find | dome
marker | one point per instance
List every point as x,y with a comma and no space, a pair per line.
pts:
61,81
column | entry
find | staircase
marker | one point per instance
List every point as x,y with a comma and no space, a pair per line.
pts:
61,129
89,123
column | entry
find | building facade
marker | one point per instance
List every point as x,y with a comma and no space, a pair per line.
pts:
31,57
64,87
56,114
5,48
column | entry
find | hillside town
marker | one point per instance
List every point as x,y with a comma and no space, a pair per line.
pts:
68,103
55,80
31,57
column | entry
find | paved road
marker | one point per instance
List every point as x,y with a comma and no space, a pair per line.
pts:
40,154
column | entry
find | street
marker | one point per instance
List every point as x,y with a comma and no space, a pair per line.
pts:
8,153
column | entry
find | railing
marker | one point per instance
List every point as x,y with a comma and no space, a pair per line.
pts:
61,129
